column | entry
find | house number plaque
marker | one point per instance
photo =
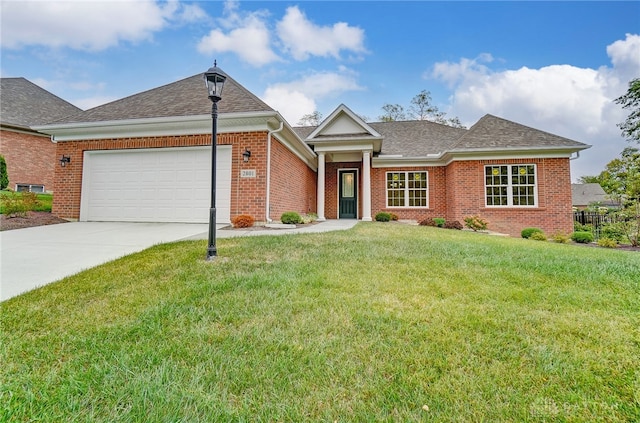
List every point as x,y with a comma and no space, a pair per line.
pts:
248,173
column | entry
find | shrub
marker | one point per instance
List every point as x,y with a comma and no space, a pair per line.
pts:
291,217
614,231
560,238
243,221
582,237
427,222
13,204
475,223
309,217
538,236
528,232
4,176
439,221
383,217
579,227
607,243
394,217
453,225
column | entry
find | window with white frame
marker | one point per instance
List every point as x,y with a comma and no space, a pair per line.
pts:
30,188
511,185
407,189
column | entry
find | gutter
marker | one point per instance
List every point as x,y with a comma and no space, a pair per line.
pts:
268,196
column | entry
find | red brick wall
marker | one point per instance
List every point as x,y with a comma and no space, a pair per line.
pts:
247,194
465,194
31,159
293,183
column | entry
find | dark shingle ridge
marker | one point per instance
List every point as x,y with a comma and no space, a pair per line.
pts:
25,104
493,132
186,97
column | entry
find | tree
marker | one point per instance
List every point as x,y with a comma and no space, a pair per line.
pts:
311,119
420,109
393,112
4,176
631,100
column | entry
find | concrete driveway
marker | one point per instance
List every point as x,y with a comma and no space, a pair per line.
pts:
37,256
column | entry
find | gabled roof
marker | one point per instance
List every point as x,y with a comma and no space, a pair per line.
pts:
585,194
494,133
343,123
24,104
187,97
416,138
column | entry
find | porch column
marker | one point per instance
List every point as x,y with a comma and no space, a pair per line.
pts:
366,186
320,195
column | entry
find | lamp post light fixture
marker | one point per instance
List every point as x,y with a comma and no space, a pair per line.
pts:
214,79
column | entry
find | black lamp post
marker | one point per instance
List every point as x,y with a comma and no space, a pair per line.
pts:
214,79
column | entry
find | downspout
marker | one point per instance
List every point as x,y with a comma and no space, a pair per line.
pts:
576,157
268,196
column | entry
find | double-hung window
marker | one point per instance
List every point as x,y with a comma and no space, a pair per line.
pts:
407,189
511,185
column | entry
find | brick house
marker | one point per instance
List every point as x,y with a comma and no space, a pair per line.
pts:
147,158
30,155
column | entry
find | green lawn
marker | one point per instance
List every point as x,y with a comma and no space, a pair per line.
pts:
385,322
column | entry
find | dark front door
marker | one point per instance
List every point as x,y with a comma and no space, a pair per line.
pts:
348,202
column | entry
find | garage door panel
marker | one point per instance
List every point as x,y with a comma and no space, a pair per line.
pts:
155,185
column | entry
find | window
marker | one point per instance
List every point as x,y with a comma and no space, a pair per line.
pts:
407,189
30,188
510,185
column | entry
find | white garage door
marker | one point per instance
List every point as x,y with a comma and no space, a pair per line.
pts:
155,185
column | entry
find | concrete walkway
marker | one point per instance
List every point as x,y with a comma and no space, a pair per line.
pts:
34,257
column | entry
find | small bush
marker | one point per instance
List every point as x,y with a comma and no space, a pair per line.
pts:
243,221
427,222
607,243
614,231
394,217
309,217
475,223
453,225
439,221
579,227
528,232
582,237
538,236
560,238
383,217
17,204
291,217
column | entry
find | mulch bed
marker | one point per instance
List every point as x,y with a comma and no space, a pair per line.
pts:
33,219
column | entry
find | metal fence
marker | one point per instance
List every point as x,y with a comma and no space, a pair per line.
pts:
595,220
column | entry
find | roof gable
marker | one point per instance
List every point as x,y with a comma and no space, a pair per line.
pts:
187,97
341,123
25,104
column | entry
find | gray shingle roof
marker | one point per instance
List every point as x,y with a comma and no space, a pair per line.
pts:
492,132
24,104
416,138
187,97
585,194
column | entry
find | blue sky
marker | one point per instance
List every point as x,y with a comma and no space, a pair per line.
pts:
555,66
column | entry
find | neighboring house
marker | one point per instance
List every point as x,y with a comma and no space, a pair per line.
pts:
30,155
584,195
147,158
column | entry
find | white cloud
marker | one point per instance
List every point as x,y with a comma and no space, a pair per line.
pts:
250,39
302,38
297,98
87,25
573,102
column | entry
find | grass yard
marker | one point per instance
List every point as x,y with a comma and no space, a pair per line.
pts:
385,322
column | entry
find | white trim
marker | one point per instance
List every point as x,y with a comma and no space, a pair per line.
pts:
509,187
406,190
